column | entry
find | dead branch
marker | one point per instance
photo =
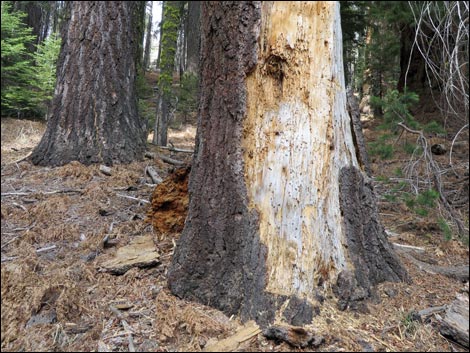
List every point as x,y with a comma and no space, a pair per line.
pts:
105,170
133,198
164,158
459,272
174,149
435,176
409,247
126,327
67,191
47,248
153,175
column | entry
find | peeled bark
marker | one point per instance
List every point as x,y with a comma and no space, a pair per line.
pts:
276,215
94,110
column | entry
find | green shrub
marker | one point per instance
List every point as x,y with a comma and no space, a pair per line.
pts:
444,226
434,127
28,79
381,149
16,62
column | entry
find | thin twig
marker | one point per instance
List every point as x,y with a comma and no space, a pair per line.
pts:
67,191
133,198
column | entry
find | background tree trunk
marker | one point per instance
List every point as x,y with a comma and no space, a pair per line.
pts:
94,111
169,38
279,210
193,36
148,38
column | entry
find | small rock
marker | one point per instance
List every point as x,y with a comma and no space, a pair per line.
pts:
438,149
46,317
390,292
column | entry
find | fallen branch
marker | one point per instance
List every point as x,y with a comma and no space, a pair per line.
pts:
126,327
163,158
153,175
5,259
133,198
459,272
174,149
67,191
105,170
21,159
47,248
435,173
170,160
423,314
409,247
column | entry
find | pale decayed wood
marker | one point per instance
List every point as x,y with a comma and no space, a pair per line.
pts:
296,139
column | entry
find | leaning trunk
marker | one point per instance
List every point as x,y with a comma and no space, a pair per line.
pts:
280,211
94,111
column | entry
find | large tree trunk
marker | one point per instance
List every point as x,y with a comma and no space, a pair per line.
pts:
279,210
94,111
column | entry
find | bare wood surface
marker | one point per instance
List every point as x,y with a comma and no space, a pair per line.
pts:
174,149
133,198
153,175
105,170
19,193
409,247
229,344
455,323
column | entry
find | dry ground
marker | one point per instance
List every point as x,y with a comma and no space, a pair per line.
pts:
59,299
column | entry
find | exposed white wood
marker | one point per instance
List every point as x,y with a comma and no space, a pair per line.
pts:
296,139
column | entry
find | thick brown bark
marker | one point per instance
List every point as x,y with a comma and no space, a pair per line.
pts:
94,110
236,251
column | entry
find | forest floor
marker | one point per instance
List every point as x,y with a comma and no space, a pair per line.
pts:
59,226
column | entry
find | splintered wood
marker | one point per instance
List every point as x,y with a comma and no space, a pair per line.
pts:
229,344
140,253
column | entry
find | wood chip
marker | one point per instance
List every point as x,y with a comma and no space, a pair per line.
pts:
105,170
247,331
140,253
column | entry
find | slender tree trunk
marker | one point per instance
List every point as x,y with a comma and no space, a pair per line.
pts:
279,210
168,48
94,110
412,64
193,37
148,39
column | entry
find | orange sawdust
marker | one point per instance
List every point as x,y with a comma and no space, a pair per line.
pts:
170,203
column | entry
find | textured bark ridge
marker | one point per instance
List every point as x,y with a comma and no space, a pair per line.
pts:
371,254
94,111
219,257
266,231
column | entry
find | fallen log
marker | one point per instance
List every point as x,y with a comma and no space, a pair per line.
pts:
455,323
